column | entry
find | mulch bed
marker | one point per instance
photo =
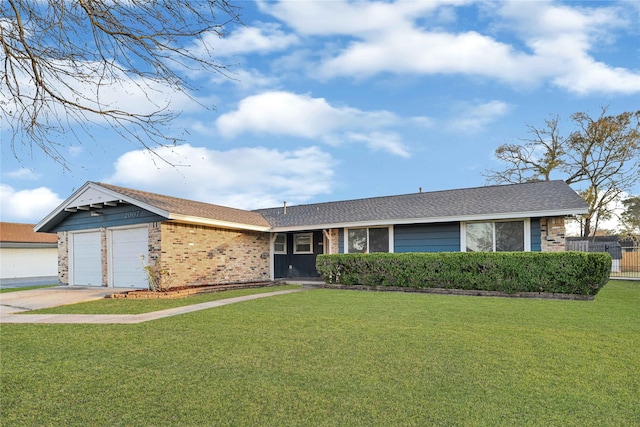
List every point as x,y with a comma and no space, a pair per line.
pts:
442,291
185,291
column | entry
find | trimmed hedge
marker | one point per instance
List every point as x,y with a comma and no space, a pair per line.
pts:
511,272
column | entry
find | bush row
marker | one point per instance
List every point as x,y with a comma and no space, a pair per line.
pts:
558,272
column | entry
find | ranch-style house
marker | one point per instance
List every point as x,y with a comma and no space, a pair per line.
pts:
107,233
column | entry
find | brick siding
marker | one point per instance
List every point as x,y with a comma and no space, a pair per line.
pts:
63,257
194,254
103,256
552,234
334,241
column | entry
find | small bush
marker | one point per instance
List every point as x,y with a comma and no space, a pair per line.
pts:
559,272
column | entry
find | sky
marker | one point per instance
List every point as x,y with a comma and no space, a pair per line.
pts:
335,100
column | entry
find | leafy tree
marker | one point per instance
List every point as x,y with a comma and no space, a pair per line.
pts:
600,158
631,215
61,59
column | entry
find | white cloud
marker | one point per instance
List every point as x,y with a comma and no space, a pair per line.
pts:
247,79
417,52
350,18
476,117
23,173
27,205
245,178
521,43
562,37
285,113
611,224
389,142
100,90
266,38
75,150
588,76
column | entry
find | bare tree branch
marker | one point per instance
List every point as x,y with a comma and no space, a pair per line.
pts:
601,158
62,60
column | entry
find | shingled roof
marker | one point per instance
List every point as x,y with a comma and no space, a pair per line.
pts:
544,198
184,207
535,199
12,234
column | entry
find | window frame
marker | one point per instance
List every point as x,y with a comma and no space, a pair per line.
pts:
295,243
526,229
284,244
346,238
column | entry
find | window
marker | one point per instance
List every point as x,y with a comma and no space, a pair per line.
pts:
367,240
280,244
496,236
303,243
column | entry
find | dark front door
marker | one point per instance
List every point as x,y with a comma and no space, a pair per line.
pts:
300,258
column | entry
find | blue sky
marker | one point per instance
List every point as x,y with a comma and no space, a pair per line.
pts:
334,100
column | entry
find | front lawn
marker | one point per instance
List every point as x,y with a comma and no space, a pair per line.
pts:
137,306
326,357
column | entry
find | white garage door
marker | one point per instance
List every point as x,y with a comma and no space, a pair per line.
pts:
126,267
86,265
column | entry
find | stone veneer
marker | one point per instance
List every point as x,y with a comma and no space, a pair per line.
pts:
334,241
63,257
552,232
194,254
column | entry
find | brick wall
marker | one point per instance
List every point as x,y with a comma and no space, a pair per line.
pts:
63,257
103,256
194,254
333,241
552,234
155,243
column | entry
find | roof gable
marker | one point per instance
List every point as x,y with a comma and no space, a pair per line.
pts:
94,195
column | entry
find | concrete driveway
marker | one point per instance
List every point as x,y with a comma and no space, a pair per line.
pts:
33,299
24,282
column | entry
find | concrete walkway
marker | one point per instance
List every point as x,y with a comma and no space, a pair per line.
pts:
14,303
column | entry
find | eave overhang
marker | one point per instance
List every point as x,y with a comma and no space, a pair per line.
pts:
432,220
216,223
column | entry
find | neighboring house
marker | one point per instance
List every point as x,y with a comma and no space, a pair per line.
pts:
25,253
104,230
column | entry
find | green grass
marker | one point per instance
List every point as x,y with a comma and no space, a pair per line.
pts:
327,358
25,288
137,306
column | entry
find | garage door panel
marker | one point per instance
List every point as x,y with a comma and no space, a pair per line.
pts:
127,245
87,259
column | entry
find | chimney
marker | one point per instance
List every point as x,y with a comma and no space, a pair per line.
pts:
285,208
420,189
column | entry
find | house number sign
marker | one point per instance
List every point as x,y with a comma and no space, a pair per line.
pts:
134,214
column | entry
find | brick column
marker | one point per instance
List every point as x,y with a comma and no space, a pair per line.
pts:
63,257
334,240
552,234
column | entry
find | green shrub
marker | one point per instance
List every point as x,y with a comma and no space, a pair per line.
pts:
511,272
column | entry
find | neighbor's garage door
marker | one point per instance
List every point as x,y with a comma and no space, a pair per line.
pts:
126,247
86,268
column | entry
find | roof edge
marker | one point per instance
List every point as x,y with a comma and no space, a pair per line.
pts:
216,223
432,220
